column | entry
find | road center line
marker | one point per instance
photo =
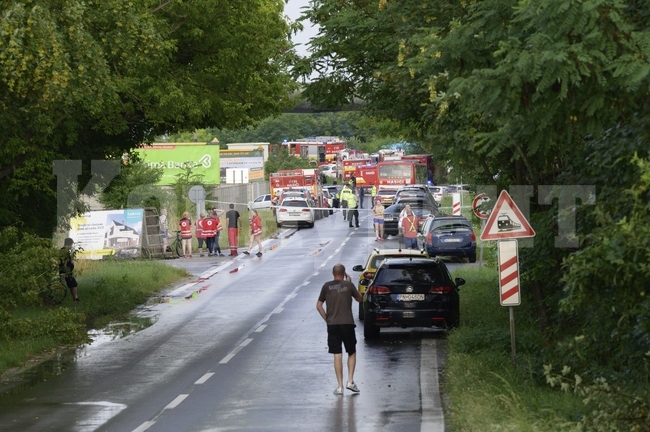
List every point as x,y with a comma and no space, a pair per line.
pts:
176,402
144,426
204,378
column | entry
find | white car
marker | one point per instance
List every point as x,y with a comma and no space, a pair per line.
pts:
295,211
438,192
261,202
328,170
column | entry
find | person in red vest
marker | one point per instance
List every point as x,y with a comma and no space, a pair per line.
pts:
233,221
256,233
410,230
200,236
217,216
210,231
186,234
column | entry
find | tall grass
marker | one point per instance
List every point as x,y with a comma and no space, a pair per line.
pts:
487,389
108,290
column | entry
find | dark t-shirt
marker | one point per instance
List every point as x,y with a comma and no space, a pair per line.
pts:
338,296
232,216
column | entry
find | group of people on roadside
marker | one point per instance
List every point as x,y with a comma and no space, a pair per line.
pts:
207,230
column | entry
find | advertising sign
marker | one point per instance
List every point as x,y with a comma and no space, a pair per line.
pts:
108,232
252,160
175,158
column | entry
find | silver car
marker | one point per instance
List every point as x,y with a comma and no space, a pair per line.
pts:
295,211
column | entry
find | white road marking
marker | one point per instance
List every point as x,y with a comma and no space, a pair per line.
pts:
433,418
246,342
176,402
204,378
230,356
144,426
260,328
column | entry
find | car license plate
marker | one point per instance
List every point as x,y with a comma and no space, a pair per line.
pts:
388,218
452,240
410,297
294,214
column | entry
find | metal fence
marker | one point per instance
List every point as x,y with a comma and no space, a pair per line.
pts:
238,194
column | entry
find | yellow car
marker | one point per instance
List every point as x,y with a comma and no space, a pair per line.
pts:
386,196
374,260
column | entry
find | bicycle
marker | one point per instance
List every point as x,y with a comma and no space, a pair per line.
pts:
55,292
177,244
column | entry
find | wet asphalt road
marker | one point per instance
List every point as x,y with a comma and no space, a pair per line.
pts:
242,348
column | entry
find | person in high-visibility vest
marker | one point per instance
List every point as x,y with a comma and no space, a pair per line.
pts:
353,212
373,193
210,231
345,194
186,234
410,230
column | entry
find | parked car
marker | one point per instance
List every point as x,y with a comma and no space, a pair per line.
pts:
411,292
376,257
413,191
328,170
386,196
334,191
438,192
261,202
449,236
421,208
295,211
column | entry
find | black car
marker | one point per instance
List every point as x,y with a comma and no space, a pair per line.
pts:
422,209
411,292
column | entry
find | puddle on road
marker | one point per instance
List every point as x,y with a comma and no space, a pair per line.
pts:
44,368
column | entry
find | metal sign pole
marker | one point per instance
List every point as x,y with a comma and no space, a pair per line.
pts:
512,332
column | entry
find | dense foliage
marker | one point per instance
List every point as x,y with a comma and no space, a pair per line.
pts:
86,80
539,92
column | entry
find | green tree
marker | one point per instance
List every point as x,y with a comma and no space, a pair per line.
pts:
135,184
90,80
524,93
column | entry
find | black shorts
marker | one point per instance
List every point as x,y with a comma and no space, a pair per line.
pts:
70,281
338,334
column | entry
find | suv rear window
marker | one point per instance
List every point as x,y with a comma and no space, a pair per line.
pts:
295,203
414,273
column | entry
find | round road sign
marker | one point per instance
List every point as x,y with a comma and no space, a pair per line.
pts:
478,200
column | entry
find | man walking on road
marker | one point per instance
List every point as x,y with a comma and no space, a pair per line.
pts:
338,295
234,226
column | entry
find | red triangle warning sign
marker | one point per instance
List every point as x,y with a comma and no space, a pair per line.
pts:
506,221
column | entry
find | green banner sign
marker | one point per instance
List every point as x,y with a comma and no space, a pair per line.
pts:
175,158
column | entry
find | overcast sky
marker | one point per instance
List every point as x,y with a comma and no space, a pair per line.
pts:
293,10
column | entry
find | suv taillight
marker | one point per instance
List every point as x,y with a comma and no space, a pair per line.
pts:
378,290
472,236
429,237
440,290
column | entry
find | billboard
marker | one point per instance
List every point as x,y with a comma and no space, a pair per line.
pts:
174,158
108,232
253,160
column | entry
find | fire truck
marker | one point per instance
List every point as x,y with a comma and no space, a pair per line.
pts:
366,175
307,179
349,166
319,149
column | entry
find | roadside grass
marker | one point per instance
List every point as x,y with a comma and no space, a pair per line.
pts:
486,390
109,290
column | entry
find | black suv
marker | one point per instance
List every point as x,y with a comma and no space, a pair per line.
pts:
411,292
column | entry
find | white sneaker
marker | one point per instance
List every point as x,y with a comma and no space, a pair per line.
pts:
352,387
338,391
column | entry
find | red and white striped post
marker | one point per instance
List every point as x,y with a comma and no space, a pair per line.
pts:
509,294
455,203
